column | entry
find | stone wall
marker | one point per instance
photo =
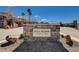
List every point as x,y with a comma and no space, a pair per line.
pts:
55,30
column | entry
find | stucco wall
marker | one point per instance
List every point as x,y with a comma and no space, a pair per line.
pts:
14,32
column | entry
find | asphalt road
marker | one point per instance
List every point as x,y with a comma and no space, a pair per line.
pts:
40,46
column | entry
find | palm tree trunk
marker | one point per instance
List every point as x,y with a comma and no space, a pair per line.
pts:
29,19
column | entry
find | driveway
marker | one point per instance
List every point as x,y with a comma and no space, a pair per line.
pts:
40,46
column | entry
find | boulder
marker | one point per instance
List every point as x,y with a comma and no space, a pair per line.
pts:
12,40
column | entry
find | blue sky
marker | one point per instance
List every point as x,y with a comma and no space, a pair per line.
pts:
47,13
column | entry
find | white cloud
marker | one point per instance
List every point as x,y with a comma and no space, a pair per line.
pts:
44,20
36,16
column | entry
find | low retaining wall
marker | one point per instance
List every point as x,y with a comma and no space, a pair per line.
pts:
14,32
74,33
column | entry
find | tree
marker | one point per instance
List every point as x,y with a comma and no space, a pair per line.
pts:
61,24
22,14
75,23
29,13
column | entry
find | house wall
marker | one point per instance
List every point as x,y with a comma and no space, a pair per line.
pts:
6,14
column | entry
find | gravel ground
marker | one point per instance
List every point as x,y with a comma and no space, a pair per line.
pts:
40,46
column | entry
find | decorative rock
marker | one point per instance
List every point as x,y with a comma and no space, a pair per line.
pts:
68,40
12,40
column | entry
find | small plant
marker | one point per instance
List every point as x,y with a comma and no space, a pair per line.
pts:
21,36
62,36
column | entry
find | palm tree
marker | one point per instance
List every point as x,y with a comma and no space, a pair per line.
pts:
22,14
29,13
61,24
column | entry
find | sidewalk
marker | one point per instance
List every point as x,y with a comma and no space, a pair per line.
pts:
48,45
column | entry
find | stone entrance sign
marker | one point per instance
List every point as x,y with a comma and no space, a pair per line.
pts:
41,32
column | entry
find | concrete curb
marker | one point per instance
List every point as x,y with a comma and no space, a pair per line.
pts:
11,47
74,48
